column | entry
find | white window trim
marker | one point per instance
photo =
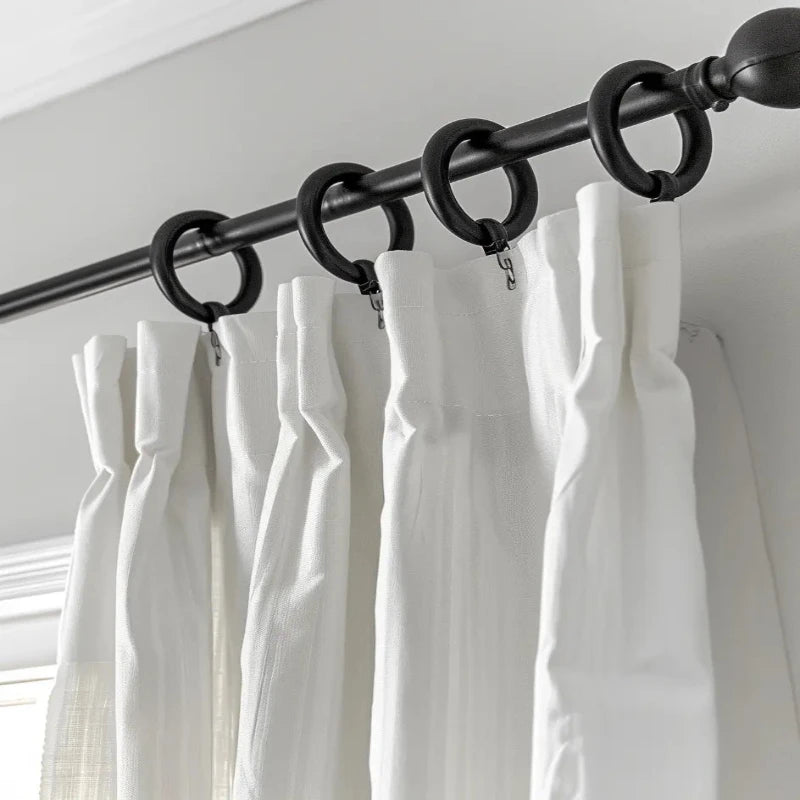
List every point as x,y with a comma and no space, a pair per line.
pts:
33,578
24,698
27,675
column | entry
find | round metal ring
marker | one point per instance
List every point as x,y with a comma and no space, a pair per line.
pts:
604,131
309,223
435,167
162,265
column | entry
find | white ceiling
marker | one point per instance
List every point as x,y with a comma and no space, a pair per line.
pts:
237,122
51,47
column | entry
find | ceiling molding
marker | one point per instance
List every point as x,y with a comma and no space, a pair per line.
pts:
33,577
49,51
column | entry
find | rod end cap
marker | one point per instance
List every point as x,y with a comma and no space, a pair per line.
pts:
762,62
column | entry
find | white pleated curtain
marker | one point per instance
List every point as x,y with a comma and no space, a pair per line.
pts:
458,560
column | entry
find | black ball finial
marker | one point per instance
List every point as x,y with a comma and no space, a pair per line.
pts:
762,62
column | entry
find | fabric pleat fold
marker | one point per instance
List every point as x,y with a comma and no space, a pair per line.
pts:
624,697
79,758
293,650
245,430
362,355
467,443
164,640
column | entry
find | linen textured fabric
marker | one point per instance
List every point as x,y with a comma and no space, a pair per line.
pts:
295,634
322,569
245,431
624,698
473,418
307,655
79,759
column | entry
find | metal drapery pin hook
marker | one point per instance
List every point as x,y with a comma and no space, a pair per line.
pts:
372,289
376,301
215,344
496,244
506,263
214,312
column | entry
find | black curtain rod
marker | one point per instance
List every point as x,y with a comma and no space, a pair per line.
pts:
762,63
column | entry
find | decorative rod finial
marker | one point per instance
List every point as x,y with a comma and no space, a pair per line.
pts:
762,62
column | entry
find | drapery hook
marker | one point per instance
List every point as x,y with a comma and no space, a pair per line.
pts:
309,223
372,288
376,301
215,311
498,236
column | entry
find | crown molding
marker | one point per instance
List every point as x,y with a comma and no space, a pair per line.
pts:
50,49
33,577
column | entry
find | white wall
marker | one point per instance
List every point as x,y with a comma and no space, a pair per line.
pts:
237,123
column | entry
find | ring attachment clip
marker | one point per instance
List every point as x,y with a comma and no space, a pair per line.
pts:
499,247
215,311
506,262
372,289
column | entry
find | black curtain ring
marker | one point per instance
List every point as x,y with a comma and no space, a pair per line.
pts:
435,166
309,223
604,131
162,264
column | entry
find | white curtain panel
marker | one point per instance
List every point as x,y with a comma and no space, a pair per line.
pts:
623,671
79,761
478,376
456,560
293,654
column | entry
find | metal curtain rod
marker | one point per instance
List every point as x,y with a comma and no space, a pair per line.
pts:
762,63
